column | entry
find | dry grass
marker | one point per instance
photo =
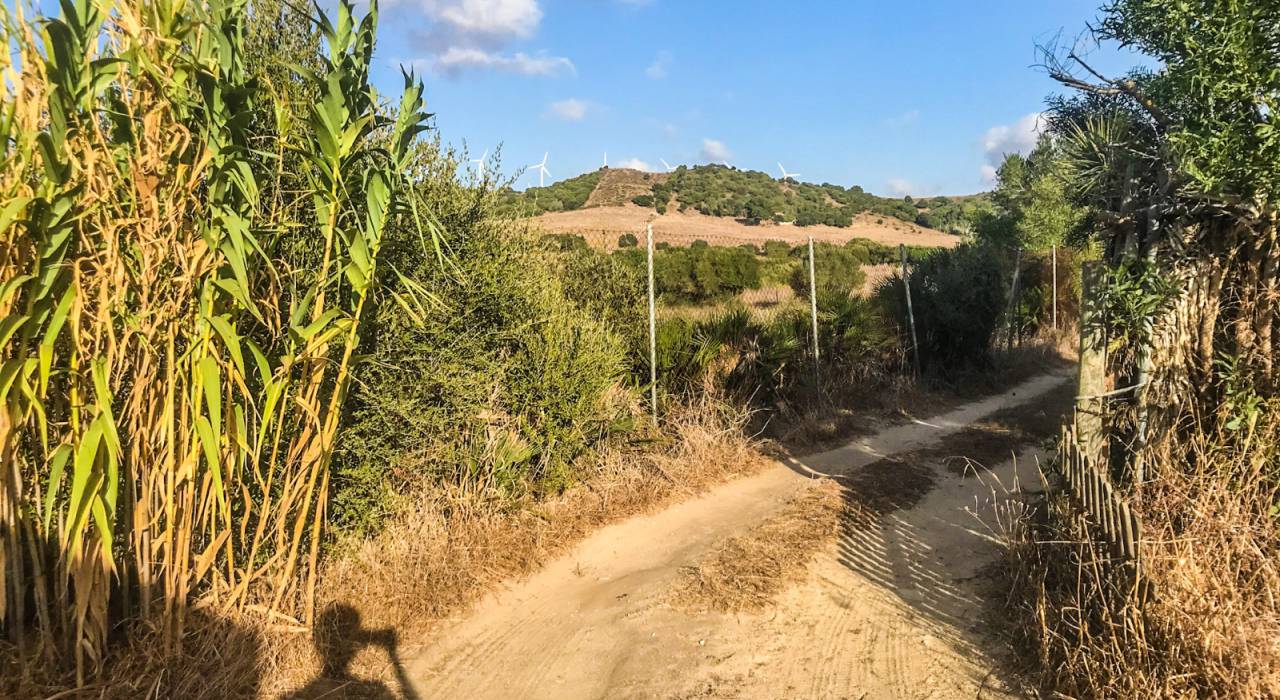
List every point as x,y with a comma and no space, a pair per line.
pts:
745,573
437,559
430,563
1210,626
601,226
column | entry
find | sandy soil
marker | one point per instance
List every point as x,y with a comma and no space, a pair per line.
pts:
601,226
891,609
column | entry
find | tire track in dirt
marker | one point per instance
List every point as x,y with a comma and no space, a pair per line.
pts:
879,609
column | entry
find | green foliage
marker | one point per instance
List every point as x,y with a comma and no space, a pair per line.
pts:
506,385
698,273
777,249
642,200
1131,294
958,297
566,195
953,215
1217,93
870,252
770,361
1032,209
628,240
754,196
563,242
836,269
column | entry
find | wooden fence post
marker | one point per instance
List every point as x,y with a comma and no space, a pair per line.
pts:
911,315
813,311
1092,382
653,335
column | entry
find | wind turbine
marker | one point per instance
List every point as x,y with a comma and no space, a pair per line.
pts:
542,169
786,174
606,159
667,165
480,163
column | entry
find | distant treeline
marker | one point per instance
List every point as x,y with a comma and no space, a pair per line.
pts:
703,272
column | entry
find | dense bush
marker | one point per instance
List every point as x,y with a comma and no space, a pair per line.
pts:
872,253
770,361
754,196
777,249
563,242
565,195
958,296
503,384
628,240
698,273
836,268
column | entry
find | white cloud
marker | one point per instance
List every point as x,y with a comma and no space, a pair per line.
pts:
457,60
715,151
495,18
570,110
635,164
907,118
463,35
899,187
1018,137
660,67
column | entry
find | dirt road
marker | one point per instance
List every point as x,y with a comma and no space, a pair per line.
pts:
889,608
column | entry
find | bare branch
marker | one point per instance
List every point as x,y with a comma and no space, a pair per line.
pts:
1110,87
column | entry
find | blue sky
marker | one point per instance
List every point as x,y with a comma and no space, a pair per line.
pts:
914,96
910,97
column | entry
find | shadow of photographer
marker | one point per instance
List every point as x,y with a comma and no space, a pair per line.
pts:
338,637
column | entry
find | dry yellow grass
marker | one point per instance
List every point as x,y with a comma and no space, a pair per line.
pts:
431,562
435,560
601,226
1210,625
746,572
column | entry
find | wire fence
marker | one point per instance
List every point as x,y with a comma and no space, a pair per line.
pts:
790,293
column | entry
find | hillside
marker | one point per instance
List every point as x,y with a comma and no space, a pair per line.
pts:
745,198
601,227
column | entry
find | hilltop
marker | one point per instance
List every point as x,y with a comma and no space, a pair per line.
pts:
735,206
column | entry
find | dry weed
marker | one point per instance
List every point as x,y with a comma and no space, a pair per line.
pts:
745,573
436,559
1206,623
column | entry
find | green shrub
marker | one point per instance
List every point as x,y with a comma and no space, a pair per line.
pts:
501,386
628,240
643,200
836,268
777,249
563,242
697,274
958,297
